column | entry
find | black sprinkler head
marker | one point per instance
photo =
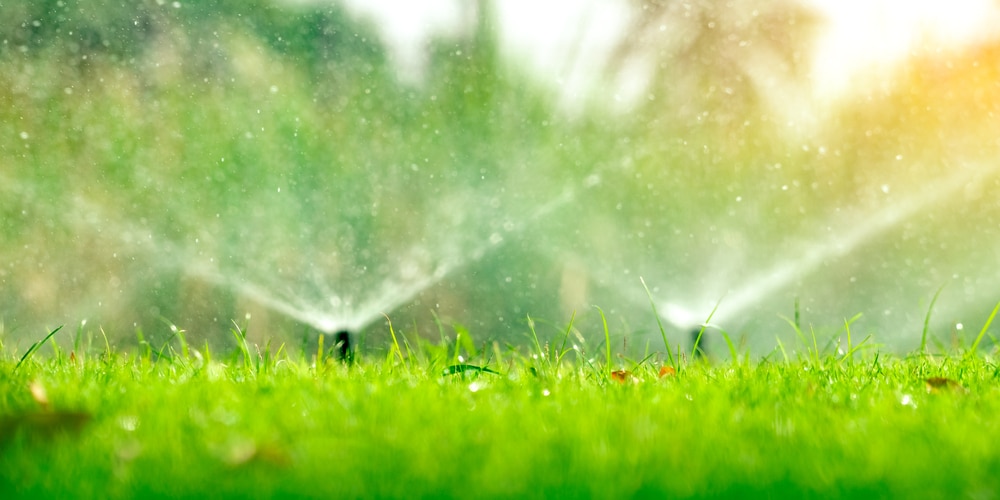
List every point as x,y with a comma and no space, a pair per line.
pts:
342,344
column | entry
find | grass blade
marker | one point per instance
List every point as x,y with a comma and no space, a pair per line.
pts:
534,337
34,347
659,324
730,345
241,342
927,321
607,343
695,350
569,329
982,333
394,350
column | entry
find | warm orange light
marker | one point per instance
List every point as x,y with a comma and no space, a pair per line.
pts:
863,40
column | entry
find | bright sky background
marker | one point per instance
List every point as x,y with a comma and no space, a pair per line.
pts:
567,42
863,37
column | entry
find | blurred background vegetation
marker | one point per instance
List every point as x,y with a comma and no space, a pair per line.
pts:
191,163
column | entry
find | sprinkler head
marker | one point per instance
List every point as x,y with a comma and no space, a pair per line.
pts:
342,344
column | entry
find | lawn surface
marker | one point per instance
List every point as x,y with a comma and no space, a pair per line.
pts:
425,423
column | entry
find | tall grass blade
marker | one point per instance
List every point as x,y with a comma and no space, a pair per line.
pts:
982,333
107,344
927,321
569,328
78,339
607,343
34,347
729,343
781,346
241,342
394,350
815,351
695,349
534,338
319,350
659,324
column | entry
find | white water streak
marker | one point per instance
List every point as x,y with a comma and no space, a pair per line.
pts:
865,227
390,295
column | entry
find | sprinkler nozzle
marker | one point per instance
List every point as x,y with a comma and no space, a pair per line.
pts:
342,343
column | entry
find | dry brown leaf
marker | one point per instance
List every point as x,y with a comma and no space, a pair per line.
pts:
667,370
937,384
245,452
622,376
43,424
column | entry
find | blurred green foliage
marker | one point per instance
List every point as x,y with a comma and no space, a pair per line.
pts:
145,147
261,142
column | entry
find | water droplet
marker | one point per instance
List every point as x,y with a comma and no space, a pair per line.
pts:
24,135
959,326
885,188
907,400
475,386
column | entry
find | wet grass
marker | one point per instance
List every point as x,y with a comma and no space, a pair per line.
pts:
434,420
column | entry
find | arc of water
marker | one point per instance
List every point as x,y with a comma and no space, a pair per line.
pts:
738,300
318,313
389,295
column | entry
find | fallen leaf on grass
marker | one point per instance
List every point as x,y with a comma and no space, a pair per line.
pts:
622,376
42,424
667,370
241,453
938,384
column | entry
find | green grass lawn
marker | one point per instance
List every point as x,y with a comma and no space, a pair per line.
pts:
424,422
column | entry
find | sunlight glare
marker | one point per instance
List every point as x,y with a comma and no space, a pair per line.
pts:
864,40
